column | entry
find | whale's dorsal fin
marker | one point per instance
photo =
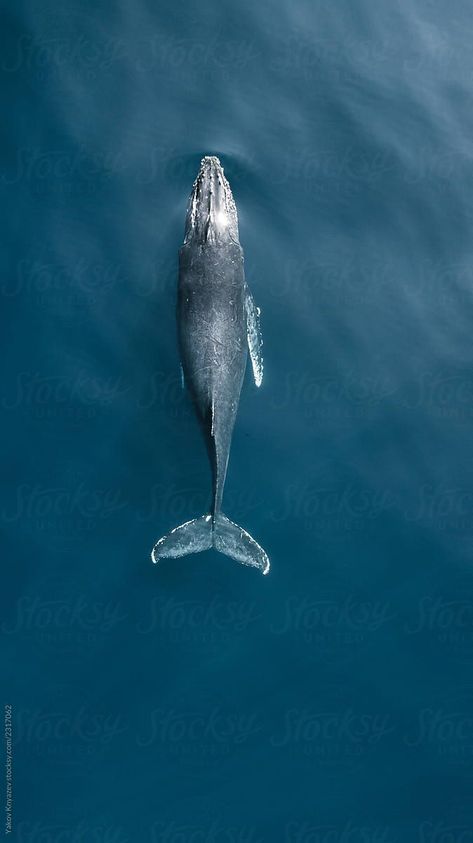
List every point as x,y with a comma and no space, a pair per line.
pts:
255,340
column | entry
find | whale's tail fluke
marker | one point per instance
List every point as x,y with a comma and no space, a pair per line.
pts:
203,533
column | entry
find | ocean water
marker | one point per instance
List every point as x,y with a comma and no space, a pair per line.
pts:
197,701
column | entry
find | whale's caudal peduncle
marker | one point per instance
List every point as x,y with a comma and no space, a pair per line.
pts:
217,323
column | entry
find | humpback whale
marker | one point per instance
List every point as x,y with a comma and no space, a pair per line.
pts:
218,323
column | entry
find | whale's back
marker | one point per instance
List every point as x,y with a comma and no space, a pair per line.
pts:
212,324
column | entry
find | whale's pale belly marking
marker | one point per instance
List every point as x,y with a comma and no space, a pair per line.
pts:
217,323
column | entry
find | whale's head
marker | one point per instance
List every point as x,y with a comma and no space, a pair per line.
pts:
211,213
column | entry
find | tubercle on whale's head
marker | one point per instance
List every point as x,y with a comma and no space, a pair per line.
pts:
211,214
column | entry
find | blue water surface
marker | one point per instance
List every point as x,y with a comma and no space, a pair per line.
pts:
197,701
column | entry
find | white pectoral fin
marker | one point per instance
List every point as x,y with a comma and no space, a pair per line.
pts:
255,341
183,383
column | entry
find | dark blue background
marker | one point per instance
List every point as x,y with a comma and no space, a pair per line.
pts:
198,702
